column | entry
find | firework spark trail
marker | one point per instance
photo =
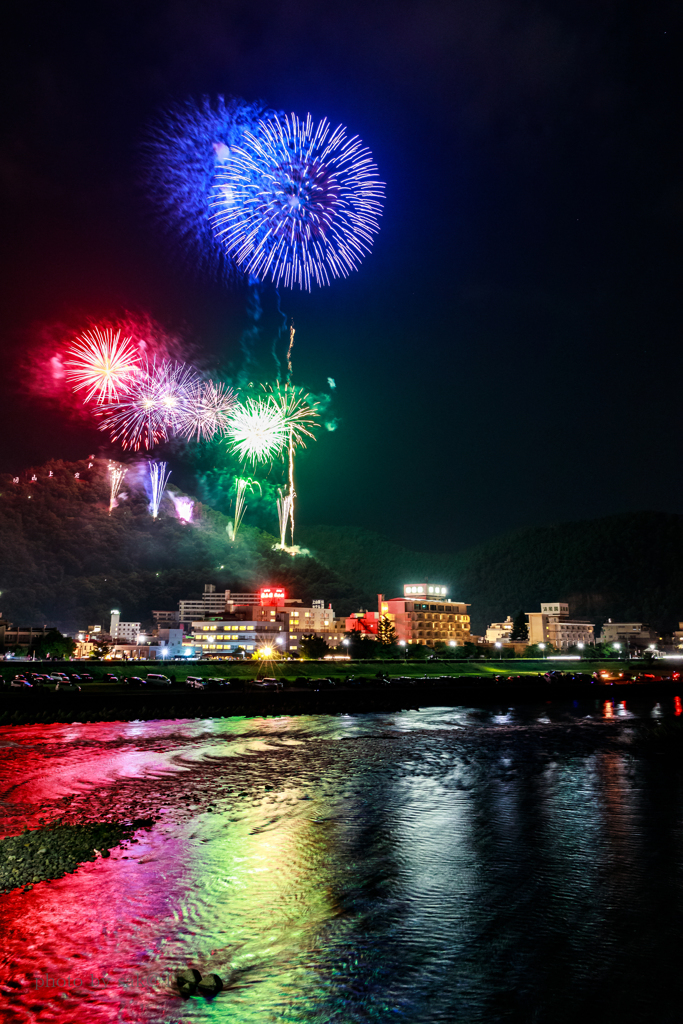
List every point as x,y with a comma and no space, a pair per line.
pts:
116,473
256,431
240,507
283,508
103,362
297,203
207,410
159,475
152,406
184,507
299,416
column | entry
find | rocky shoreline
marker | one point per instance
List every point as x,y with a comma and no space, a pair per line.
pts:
44,854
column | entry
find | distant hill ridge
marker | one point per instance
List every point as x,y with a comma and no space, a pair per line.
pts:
626,567
66,561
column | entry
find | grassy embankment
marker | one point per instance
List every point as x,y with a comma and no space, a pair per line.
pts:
335,670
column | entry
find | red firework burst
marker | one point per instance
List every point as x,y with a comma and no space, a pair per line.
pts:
102,362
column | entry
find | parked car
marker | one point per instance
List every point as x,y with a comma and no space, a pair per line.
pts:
216,684
155,679
74,677
109,677
325,684
56,676
266,684
86,678
67,686
20,683
195,683
134,681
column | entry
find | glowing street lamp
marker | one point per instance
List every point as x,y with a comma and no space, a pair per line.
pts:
541,647
499,646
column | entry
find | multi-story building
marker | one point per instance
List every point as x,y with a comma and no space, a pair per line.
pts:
166,619
365,623
552,625
425,615
499,632
217,639
124,632
20,636
210,603
316,619
630,634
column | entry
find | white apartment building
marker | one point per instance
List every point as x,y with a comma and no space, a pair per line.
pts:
316,619
625,632
124,632
499,632
552,625
216,639
210,603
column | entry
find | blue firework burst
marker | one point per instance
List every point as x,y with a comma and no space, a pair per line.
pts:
183,149
295,202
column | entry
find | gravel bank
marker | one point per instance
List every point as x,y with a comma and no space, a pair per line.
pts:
57,850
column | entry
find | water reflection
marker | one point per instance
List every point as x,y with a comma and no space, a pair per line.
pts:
456,864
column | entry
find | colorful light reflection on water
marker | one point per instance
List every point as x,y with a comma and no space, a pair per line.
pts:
447,865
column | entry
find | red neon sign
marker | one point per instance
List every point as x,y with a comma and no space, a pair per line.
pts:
271,595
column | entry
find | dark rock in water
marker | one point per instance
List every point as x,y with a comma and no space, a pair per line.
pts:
187,981
210,985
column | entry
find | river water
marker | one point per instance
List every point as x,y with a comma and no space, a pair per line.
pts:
451,864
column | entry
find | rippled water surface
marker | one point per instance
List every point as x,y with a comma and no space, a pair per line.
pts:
451,864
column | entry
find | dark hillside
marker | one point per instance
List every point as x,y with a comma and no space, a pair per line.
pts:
65,560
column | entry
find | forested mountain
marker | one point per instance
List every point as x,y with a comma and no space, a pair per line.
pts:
625,567
65,560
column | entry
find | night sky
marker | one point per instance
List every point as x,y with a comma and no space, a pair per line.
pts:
508,355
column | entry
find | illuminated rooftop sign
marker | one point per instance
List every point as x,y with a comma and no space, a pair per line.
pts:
272,595
424,590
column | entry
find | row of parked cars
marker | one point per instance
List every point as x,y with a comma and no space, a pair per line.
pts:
62,681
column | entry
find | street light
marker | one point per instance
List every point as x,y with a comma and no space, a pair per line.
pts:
499,646
402,643
617,647
541,647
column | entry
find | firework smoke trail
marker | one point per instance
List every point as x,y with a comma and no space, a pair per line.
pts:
256,431
283,507
297,203
183,507
152,407
183,149
159,475
292,332
116,473
206,412
103,362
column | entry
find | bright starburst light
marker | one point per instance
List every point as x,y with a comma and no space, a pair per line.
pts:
257,431
152,407
296,202
207,411
102,362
